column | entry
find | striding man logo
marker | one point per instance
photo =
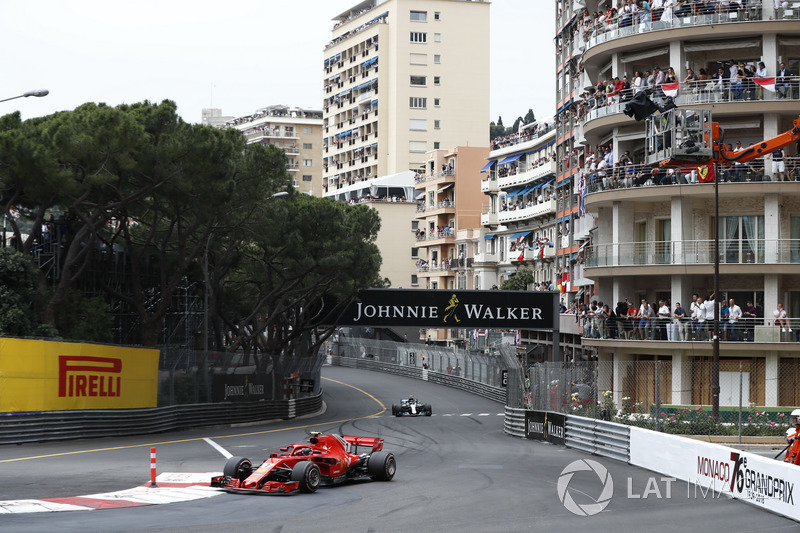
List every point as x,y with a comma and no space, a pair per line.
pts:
450,310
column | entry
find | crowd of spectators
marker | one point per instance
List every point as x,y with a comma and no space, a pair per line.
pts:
524,135
666,322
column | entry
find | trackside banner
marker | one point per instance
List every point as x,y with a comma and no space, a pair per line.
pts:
453,309
764,482
40,375
545,425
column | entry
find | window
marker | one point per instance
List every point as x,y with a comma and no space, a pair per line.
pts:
436,15
437,58
419,81
414,252
307,162
437,80
436,124
414,226
414,280
307,130
437,37
435,145
434,285
418,147
306,146
418,124
417,103
419,16
418,37
306,177
436,102
418,59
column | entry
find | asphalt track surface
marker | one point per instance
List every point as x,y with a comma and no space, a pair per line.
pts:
456,470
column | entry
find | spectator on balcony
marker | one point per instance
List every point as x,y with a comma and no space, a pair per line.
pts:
680,324
778,166
734,315
724,323
664,315
646,318
630,320
638,83
750,315
691,81
737,85
710,305
780,318
698,311
645,15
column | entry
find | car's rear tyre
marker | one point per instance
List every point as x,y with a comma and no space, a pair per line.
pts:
307,474
238,468
428,410
381,466
394,410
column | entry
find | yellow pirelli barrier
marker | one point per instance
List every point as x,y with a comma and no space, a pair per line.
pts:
61,376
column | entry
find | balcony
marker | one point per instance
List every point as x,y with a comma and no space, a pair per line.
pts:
489,185
538,210
545,253
736,252
700,93
527,176
689,16
486,258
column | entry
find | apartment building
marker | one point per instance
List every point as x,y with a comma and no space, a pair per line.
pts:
297,132
402,77
651,235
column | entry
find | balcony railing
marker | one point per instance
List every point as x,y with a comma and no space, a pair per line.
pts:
701,252
637,176
537,210
695,93
527,175
690,15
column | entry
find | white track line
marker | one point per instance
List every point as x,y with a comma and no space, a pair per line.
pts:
225,453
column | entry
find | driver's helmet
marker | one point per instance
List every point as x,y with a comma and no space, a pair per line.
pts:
794,417
411,399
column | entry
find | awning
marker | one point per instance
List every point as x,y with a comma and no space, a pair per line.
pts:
368,62
520,234
488,236
574,256
420,196
510,159
378,17
548,183
488,165
374,102
444,188
721,45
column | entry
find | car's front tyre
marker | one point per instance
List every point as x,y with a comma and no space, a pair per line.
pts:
308,475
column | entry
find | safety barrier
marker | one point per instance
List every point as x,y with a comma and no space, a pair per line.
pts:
65,425
496,394
514,422
599,437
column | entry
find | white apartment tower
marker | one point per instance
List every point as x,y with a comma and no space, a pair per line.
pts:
400,78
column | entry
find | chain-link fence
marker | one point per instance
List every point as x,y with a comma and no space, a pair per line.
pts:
674,397
194,376
485,367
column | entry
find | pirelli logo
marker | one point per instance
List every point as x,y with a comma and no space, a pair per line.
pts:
80,375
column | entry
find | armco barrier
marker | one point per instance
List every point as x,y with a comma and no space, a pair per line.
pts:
514,422
599,437
497,394
64,425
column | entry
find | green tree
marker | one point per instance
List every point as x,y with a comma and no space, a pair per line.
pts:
529,117
519,281
305,251
17,292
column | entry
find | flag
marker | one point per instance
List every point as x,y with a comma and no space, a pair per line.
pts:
705,173
559,283
670,89
766,83
516,338
582,193
541,251
521,256
565,282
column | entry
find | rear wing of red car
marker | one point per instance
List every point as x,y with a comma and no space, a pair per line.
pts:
375,443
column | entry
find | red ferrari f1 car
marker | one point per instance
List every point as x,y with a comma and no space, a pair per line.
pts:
324,459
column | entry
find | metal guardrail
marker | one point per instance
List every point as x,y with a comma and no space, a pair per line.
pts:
496,394
514,422
599,437
66,425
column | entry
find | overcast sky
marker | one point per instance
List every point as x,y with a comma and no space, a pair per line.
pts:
237,55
